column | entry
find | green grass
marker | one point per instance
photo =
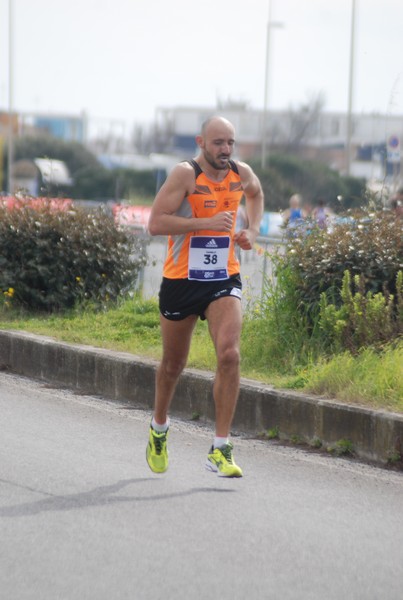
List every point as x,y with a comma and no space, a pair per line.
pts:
371,378
132,326
374,379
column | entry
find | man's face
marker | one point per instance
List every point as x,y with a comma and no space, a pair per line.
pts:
217,145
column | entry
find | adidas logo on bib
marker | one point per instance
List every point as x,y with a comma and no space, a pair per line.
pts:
211,244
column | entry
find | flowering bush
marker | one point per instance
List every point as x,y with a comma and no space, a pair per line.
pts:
20,201
368,245
349,280
51,259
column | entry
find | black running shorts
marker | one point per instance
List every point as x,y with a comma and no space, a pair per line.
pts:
180,298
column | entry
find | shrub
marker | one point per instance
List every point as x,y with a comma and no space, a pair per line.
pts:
330,291
368,245
52,259
363,319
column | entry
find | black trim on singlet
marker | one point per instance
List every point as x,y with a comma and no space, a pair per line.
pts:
196,167
232,165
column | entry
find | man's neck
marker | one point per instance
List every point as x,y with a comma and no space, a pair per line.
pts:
212,173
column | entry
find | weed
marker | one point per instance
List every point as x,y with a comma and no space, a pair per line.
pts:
363,318
296,439
316,443
273,433
394,457
342,447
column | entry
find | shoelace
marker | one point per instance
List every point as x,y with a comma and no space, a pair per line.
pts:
226,451
159,442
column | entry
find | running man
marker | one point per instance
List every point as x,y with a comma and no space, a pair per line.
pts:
196,207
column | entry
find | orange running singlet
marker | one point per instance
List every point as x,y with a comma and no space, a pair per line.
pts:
206,255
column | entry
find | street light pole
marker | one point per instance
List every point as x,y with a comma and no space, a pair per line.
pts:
265,148
350,89
10,141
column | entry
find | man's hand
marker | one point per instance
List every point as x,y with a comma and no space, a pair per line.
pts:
222,221
246,238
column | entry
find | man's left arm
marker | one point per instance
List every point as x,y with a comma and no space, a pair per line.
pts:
254,207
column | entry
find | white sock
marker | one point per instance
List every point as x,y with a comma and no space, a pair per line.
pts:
220,441
158,427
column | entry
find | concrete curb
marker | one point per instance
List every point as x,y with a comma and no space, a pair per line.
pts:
374,436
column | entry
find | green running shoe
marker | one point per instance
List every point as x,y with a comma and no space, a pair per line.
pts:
157,451
221,461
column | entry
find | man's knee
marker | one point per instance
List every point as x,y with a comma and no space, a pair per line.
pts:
172,368
228,357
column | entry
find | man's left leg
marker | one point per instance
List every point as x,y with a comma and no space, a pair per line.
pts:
224,318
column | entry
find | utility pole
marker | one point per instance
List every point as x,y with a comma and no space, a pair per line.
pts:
10,154
265,145
350,89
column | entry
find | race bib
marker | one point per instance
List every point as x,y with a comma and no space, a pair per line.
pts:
208,258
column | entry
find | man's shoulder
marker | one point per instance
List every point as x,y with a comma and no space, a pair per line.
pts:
182,170
181,178
242,166
245,171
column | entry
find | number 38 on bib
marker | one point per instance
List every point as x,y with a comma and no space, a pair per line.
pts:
208,258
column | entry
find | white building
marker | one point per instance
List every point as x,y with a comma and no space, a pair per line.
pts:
322,136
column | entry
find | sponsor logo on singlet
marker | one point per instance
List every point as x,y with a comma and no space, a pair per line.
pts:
210,203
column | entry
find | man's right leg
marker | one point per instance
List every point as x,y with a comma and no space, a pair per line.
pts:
176,338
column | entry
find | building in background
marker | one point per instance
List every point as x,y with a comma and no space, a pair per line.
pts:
315,136
70,128
308,133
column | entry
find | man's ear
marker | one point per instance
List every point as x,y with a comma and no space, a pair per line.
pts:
199,141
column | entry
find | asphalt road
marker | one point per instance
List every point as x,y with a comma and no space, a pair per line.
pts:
82,517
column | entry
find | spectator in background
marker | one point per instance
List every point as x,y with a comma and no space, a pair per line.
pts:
295,216
396,203
321,214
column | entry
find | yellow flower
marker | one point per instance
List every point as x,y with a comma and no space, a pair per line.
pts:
78,279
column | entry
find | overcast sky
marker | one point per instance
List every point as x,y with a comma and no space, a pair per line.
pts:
121,59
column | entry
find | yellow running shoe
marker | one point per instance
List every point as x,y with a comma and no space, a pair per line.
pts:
157,451
221,461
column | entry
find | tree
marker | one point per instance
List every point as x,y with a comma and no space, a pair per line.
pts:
92,181
303,122
98,183
289,174
74,154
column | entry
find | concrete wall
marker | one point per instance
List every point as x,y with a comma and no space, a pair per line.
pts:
374,435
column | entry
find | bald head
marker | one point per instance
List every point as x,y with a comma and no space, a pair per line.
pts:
216,123
216,143
295,201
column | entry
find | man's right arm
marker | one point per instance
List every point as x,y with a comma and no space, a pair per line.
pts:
163,220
